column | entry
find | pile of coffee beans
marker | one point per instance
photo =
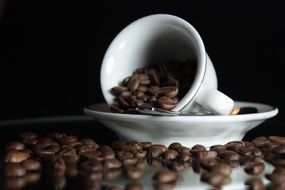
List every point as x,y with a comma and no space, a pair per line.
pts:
57,156
156,85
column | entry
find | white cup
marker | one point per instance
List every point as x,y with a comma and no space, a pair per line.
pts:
158,38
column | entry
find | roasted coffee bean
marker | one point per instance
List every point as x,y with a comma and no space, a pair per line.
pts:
208,164
166,106
91,166
30,142
122,103
261,141
218,148
229,156
255,184
215,179
117,90
16,156
154,76
71,169
15,146
204,155
112,174
134,83
133,173
175,166
277,139
198,147
122,155
141,154
129,161
169,91
132,146
134,186
31,165
142,88
33,177
255,168
112,163
182,150
170,154
174,145
233,145
14,170
29,135
56,165
106,152
145,145
244,151
221,168
153,90
156,150
280,149
13,183
165,176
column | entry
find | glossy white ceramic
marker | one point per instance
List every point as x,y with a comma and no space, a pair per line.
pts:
188,130
158,38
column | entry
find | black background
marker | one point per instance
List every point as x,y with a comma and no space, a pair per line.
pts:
51,50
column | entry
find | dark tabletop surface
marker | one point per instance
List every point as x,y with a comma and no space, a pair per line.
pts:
82,127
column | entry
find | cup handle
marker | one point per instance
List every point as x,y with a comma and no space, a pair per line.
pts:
214,100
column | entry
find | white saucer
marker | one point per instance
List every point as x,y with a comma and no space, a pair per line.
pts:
188,130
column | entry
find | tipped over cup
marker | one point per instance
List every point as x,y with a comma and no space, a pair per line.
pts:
157,39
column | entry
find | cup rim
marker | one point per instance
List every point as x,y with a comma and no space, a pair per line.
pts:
198,47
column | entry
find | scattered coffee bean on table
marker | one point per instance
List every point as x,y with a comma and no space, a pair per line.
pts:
55,157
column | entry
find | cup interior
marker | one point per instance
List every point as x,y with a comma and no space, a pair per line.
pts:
152,39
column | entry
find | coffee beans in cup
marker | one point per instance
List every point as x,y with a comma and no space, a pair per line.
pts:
156,85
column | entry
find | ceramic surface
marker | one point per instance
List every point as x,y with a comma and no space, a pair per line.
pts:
156,39
188,130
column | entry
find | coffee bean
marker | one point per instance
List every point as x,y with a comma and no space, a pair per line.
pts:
222,168
129,161
14,170
255,184
145,145
233,145
16,156
29,135
112,174
133,173
117,90
198,147
134,83
31,165
261,141
165,176
112,163
170,154
215,179
229,156
204,155
15,146
12,183
218,148
91,166
255,168
134,186
280,149
174,145
55,165
156,150
169,91
277,139
154,76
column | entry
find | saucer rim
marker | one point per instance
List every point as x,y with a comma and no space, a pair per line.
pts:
217,118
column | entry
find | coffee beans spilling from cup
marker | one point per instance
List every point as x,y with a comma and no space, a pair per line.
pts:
156,85
57,156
